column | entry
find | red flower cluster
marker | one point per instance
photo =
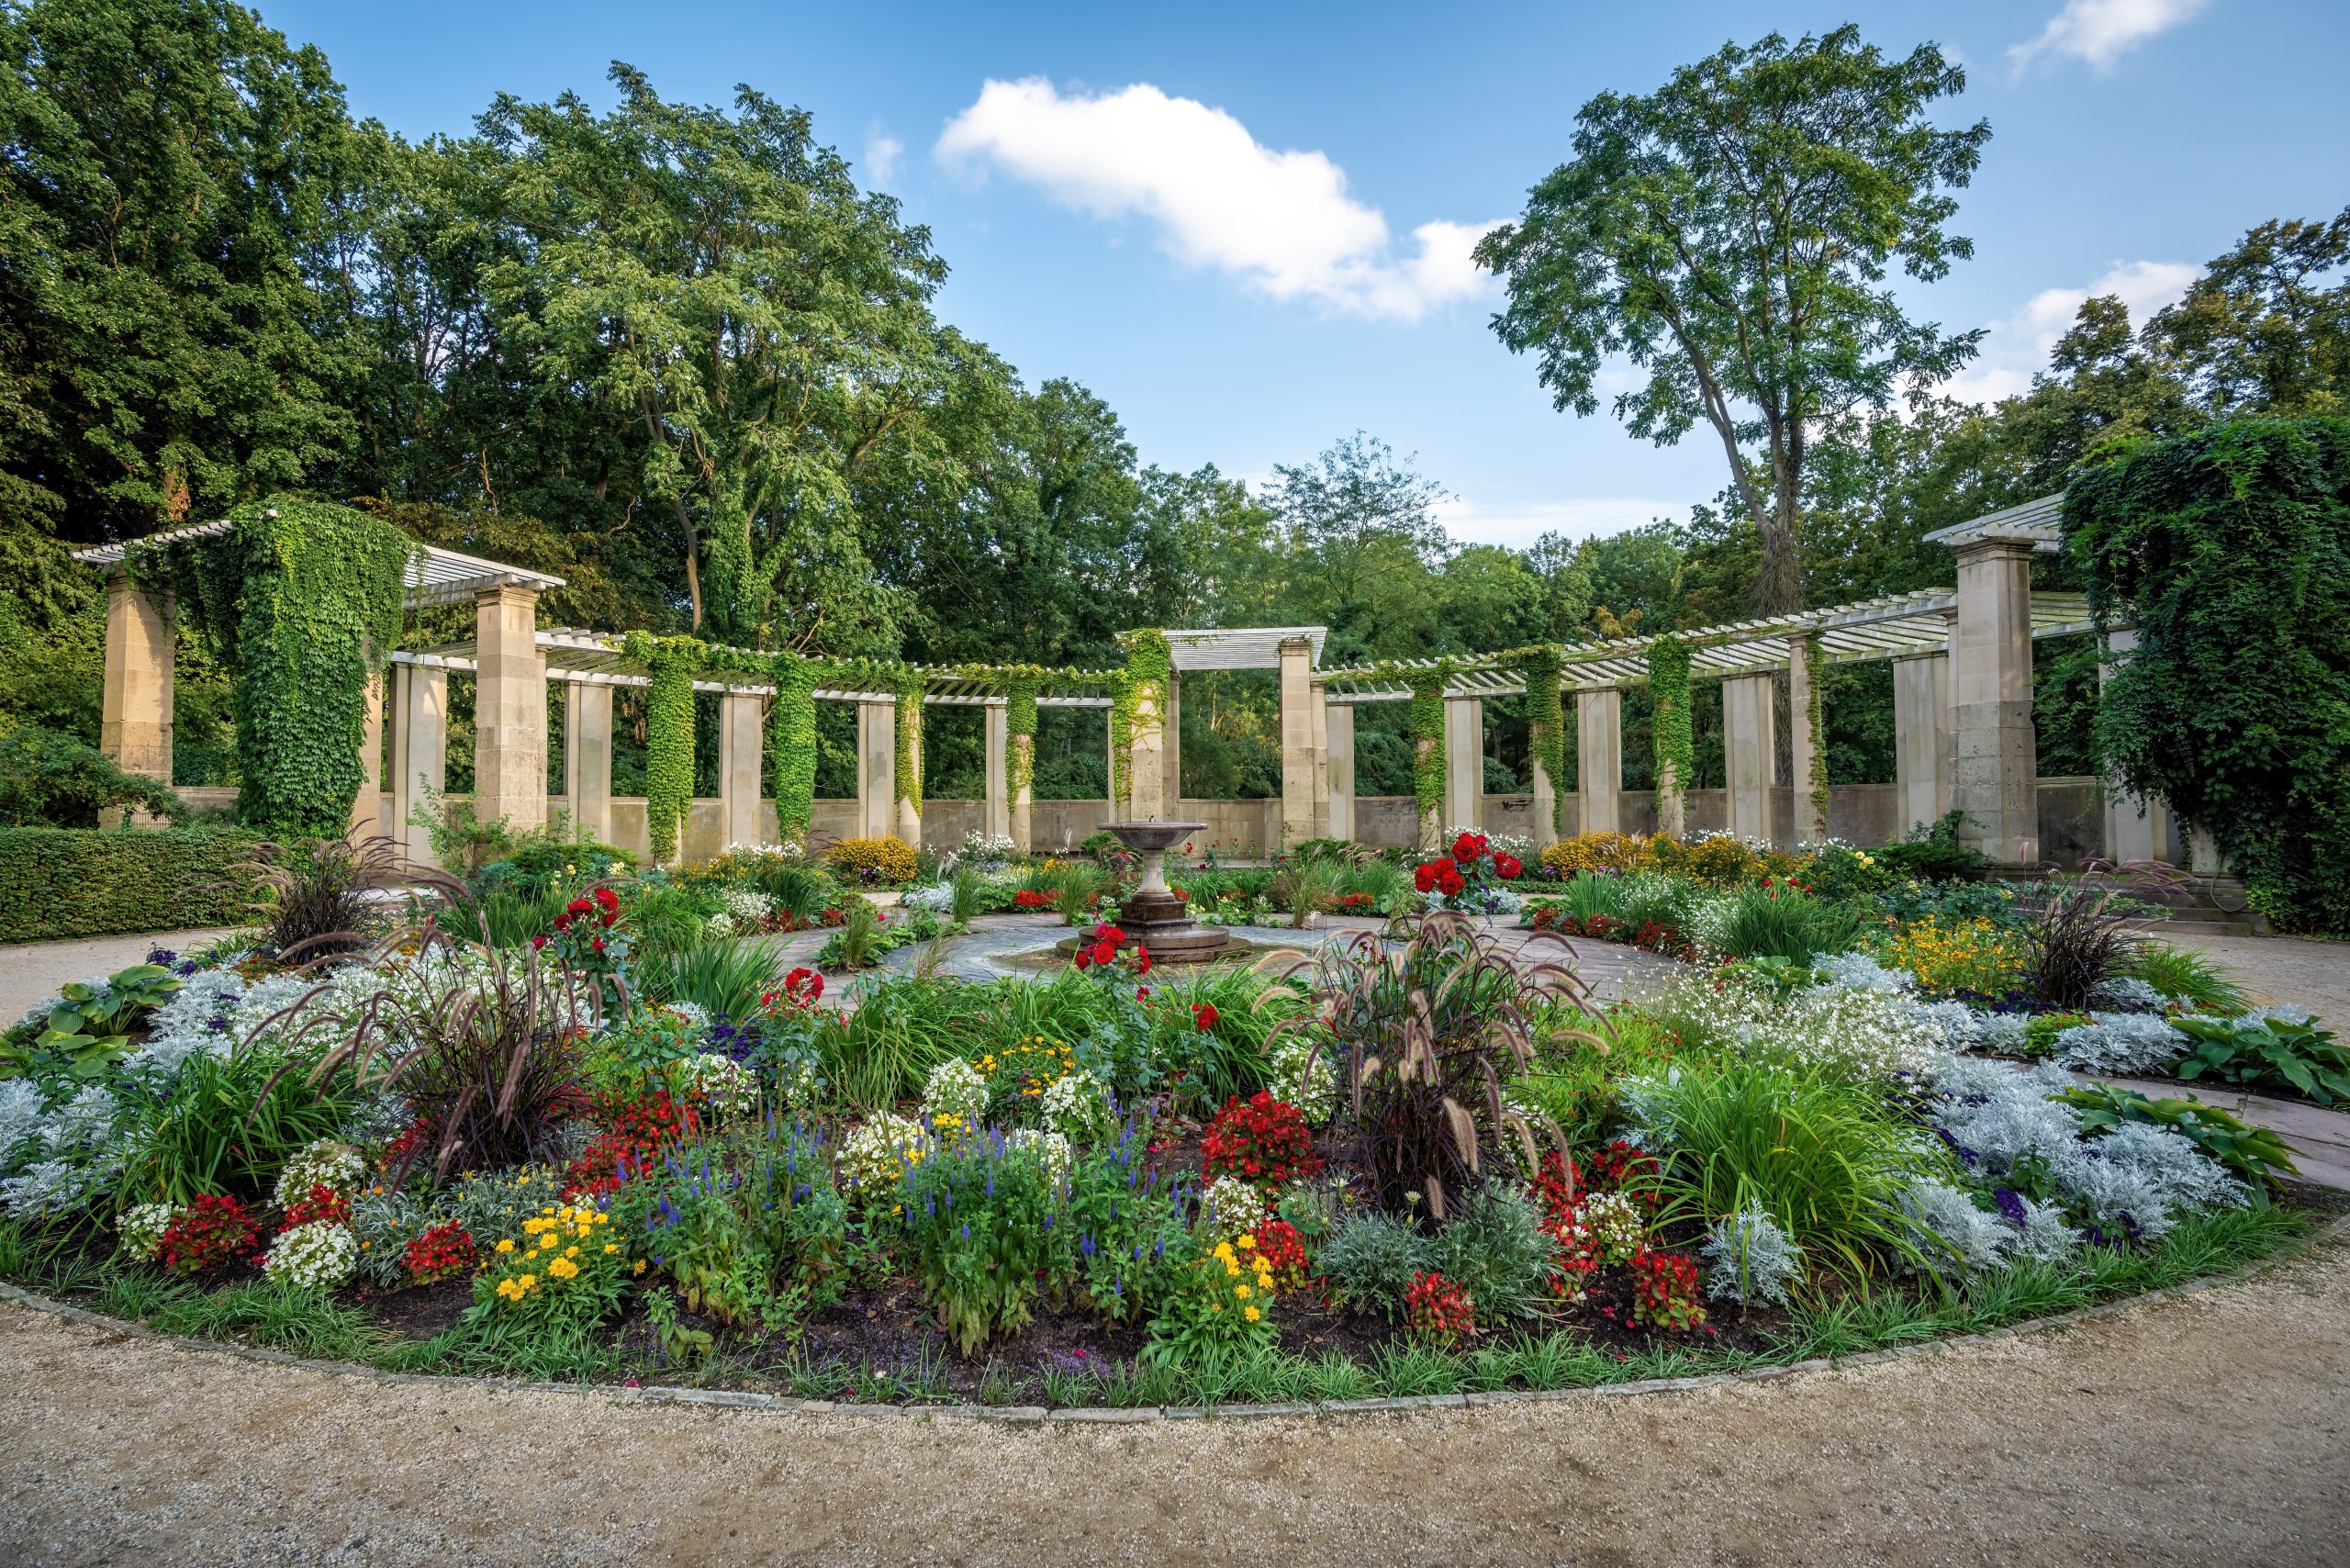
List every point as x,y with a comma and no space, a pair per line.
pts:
211,1233
1775,886
1470,846
321,1201
1204,1016
1102,950
442,1253
1029,898
634,1137
1279,1244
1348,902
1439,877
1556,1187
1506,867
1664,1292
1627,1169
801,989
603,906
1263,1141
1439,1308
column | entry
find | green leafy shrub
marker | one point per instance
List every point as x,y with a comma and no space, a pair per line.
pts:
48,779
1495,1249
60,882
1779,921
976,1219
2182,974
1369,1260
2255,1154
231,1123
1933,852
725,977
750,1227
2263,1049
87,1031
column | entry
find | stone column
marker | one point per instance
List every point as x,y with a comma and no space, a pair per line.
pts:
1925,738
877,768
740,731
367,805
1599,759
1751,747
1810,813
1997,779
587,758
2135,828
135,702
509,710
1173,749
1464,763
997,819
1429,818
420,751
1299,766
1545,791
1318,706
1146,758
1110,750
1020,765
1338,723
908,820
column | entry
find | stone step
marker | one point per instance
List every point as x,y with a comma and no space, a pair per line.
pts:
2217,926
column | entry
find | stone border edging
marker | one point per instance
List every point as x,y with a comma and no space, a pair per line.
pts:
1039,1416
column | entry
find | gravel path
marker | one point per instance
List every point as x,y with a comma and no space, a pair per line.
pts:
2201,1430
32,972
2291,970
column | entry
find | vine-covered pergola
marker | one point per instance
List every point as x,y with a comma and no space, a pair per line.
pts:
1961,660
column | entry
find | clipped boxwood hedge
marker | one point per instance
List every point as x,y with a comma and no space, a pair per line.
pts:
58,881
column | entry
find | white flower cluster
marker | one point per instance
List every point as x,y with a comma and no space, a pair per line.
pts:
1230,1207
1859,1033
2119,1043
748,908
874,1156
937,898
1048,1149
1750,1259
2140,1178
1077,1105
314,1257
327,1163
955,1089
994,848
725,1085
1617,1224
142,1227
1313,1089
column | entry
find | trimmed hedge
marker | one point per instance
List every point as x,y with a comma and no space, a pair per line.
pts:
61,881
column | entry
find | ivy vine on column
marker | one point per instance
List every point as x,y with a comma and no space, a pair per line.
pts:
1675,756
672,662
1150,664
1427,743
304,600
1020,735
1814,661
791,744
1547,719
909,736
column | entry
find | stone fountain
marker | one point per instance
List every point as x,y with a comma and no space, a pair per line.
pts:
1154,916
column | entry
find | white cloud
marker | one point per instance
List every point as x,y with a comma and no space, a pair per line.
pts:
1282,222
2101,31
882,151
1469,522
2018,346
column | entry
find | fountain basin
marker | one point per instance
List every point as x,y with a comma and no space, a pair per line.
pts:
1154,917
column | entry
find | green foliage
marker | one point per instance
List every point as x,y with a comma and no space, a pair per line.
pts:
1783,923
1668,662
1495,1249
2255,1154
791,745
1815,720
54,780
228,1125
1369,1260
88,1029
304,599
2265,1050
749,1226
1546,719
2184,974
1933,851
978,1224
1020,724
2229,550
908,735
724,978
673,662
1428,761
59,882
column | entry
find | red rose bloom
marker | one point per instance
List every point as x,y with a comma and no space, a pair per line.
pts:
1203,1016
1506,867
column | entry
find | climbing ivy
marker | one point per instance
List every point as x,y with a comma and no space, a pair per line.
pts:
1547,719
792,743
1669,695
1019,726
672,662
910,690
1815,664
1150,665
1428,725
304,600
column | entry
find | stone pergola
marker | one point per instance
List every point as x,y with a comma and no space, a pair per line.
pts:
1962,661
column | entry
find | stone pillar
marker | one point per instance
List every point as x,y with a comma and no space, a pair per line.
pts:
2203,856
1599,759
877,768
509,710
1810,813
2135,828
908,820
1020,765
367,805
587,758
1750,748
1299,766
740,731
997,819
1545,791
1464,763
1925,738
1318,706
1431,817
1172,758
135,702
421,753
1997,779
1146,758
1338,723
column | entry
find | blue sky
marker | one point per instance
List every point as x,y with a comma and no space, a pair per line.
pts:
1243,225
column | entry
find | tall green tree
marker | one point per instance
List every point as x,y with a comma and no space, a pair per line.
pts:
178,184
1730,234
2261,331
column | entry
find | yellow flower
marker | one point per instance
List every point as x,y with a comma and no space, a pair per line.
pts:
530,1281
563,1268
640,1266
506,1244
1247,1239
1253,1314
1242,1292
612,1247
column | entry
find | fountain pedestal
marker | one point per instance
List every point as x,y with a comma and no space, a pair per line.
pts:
1154,917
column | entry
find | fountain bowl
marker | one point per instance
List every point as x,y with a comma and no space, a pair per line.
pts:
1154,916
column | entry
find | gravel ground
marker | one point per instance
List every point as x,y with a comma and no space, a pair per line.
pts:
2288,969
2208,1429
32,972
